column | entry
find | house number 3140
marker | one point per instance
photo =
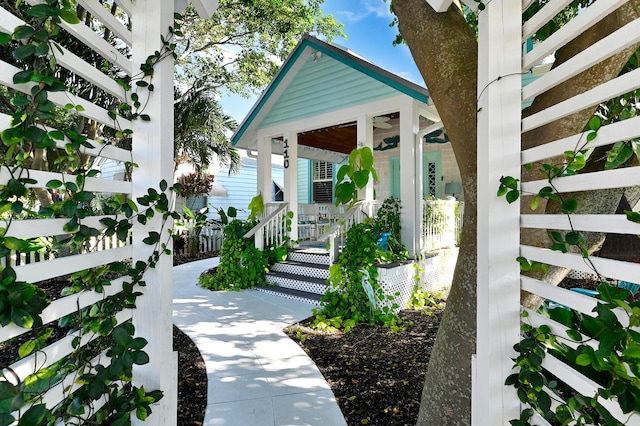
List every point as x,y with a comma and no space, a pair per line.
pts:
285,154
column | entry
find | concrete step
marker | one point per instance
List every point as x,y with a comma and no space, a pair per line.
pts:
313,270
288,293
297,282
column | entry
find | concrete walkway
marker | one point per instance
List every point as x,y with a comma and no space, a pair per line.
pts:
257,375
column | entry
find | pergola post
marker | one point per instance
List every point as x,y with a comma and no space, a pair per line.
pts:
290,164
152,150
408,177
499,123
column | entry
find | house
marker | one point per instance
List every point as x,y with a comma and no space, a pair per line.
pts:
326,101
238,190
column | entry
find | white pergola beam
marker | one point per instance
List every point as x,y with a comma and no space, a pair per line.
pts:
443,5
205,8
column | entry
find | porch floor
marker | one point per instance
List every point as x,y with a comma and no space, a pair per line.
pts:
257,375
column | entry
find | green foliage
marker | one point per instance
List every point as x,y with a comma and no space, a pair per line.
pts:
241,264
256,207
34,116
388,217
426,301
613,362
346,302
354,175
261,32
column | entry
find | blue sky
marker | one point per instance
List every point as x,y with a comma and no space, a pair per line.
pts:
366,25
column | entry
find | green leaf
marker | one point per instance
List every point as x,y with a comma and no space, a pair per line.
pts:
632,216
69,17
20,78
35,415
54,183
24,51
7,390
84,196
535,202
23,32
632,354
42,50
618,155
153,238
361,178
595,123
4,38
366,158
26,348
43,11
141,413
569,205
12,136
342,172
573,238
574,334
513,196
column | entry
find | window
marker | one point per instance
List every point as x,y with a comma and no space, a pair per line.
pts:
322,182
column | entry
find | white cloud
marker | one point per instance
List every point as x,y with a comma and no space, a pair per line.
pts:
367,8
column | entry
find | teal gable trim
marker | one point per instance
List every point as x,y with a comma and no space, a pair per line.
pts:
384,77
417,92
322,86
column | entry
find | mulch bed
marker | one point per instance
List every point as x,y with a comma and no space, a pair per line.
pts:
376,375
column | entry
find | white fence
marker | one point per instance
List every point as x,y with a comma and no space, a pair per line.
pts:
501,130
209,238
120,48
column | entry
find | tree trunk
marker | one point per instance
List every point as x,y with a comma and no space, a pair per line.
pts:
445,50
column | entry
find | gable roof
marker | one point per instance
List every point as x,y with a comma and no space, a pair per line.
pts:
318,77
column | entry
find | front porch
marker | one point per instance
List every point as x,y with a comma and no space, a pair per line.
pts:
326,102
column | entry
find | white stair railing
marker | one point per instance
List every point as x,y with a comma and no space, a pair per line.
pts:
336,234
272,229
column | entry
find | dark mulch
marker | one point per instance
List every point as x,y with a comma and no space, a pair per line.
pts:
192,380
376,375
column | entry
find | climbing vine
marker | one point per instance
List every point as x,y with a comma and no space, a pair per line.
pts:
97,334
604,347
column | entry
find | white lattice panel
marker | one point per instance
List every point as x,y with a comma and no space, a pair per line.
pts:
399,279
301,269
296,284
317,256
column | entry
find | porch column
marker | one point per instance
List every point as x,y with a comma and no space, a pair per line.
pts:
290,163
152,150
418,189
263,169
365,138
409,178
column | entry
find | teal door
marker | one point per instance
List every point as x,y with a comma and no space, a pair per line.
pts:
431,175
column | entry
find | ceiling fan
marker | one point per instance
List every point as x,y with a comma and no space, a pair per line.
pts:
381,122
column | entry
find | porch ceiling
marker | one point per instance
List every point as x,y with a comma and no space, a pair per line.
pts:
342,138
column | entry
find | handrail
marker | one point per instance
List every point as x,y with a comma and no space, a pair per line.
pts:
270,222
333,230
338,229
